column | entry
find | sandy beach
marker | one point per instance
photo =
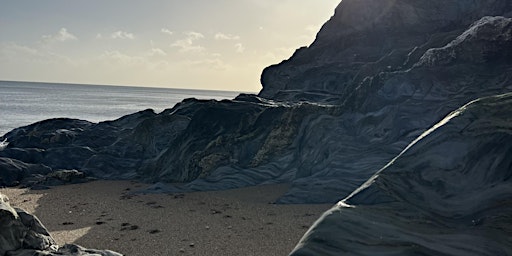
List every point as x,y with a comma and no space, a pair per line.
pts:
106,215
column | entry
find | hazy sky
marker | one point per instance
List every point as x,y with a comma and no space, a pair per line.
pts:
209,44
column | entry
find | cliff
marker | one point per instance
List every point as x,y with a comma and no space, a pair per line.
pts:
367,37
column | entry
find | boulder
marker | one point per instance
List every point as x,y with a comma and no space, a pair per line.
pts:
22,234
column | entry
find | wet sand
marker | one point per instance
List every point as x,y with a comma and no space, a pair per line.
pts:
106,215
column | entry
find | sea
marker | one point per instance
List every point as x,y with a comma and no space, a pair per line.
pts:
24,103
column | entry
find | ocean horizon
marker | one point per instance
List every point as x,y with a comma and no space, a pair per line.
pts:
24,103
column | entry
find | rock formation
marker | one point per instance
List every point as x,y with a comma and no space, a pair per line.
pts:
379,73
367,37
22,234
448,193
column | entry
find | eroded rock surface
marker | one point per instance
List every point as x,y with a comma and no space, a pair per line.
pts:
367,37
448,193
22,234
247,140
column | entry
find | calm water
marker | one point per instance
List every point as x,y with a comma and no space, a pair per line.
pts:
23,103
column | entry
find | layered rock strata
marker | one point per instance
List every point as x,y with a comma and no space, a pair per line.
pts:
368,37
448,193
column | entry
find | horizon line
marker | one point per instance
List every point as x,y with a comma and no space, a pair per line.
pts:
123,85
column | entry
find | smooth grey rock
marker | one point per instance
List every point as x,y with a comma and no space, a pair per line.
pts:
22,234
21,230
447,193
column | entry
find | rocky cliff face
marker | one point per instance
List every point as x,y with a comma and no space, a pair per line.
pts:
447,193
367,37
389,110
377,76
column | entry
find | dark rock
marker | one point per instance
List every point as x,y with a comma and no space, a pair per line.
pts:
13,171
22,234
389,110
238,135
491,35
27,155
367,37
41,179
47,133
62,177
447,193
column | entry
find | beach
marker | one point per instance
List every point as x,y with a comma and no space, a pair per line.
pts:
108,215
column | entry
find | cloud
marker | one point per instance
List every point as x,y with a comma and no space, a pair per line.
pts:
187,44
156,52
131,62
221,36
122,58
122,35
194,35
17,53
15,50
239,48
166,31
61,36
215,64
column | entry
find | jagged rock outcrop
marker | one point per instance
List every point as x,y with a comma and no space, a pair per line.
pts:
390,109
246,140
22,234
447,193
367,37
378,75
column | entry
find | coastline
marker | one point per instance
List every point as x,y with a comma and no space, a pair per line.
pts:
25,103
105,215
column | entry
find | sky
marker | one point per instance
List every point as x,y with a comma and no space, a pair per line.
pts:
194,44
